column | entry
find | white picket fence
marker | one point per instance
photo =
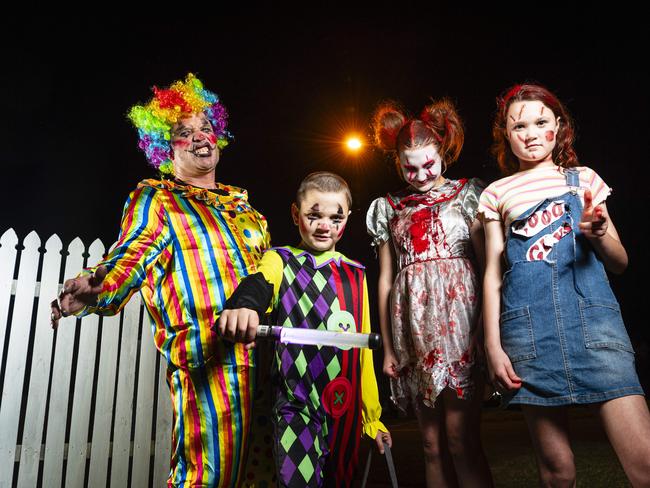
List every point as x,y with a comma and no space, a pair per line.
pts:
87,405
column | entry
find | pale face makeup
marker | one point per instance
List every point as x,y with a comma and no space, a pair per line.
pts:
321,219
531,129
422,167
194,147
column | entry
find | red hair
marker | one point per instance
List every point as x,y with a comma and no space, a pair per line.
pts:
563,153
439,124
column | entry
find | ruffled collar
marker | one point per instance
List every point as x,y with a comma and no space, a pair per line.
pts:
407,198
220,196
320,259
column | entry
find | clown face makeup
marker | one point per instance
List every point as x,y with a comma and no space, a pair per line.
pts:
321,219
422,167
532,131
194,146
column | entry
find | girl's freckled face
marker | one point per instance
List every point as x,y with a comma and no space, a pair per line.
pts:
532,131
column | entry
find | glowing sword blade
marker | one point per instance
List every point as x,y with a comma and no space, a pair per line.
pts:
343,340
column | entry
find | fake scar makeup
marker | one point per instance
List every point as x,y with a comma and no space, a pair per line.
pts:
412,171
532,131
421,167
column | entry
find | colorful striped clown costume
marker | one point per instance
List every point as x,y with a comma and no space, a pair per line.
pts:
325,398
186,249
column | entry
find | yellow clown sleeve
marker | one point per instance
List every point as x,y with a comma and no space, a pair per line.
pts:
271,266
370,408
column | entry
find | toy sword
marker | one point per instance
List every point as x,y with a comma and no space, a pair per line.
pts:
343,340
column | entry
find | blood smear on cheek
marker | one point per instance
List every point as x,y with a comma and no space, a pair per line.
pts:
302,226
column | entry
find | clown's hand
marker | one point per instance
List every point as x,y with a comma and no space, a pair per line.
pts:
77,294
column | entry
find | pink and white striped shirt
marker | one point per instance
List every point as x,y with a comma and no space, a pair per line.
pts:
508,198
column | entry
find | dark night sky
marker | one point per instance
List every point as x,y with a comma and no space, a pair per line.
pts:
292,85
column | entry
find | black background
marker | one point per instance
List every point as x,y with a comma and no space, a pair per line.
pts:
294,82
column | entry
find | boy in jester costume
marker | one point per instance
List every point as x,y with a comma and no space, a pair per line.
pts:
325,398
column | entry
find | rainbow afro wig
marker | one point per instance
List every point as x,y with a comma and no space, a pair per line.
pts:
154,120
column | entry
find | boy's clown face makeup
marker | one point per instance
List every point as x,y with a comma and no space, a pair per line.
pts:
321,219
531,129
421,167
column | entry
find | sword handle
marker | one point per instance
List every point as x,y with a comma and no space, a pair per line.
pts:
268,332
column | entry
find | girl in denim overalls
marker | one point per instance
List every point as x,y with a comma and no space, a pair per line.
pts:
554,335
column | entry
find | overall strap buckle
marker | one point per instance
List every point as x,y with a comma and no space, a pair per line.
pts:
572,177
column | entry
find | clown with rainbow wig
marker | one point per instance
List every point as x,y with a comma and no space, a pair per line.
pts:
185,243
156,119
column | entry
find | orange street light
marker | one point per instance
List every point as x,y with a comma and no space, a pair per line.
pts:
353,143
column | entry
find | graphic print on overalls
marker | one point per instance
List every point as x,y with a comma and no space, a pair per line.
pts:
309,424
560,321
538,221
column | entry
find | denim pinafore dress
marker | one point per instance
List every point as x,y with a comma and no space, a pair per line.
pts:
561,325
